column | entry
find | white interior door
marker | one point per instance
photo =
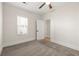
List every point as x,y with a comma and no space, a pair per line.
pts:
40,29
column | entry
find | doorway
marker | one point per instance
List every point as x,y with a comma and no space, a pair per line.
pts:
47,30
40,29
43,30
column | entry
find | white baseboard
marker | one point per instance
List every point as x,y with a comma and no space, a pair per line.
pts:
0,50
10,44
66,44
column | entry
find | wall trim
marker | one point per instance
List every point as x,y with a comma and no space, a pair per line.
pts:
0,51
18,42
65,44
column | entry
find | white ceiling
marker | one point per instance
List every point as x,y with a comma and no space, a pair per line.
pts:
34,6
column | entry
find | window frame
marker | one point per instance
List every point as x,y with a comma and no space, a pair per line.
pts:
20,25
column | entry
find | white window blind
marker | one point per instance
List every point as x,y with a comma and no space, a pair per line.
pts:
22,25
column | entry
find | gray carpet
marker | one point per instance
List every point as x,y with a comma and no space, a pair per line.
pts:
38,48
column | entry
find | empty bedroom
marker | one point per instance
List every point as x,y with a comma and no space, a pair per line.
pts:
39,28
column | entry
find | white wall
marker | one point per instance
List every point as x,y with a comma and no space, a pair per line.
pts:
10,25
65,26
0,28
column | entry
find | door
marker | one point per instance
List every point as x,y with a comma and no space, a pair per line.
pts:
40,29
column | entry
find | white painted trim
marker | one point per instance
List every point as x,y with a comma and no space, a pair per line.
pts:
31,39
65,44
0,50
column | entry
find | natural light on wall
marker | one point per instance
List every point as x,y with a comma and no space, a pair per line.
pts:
22,25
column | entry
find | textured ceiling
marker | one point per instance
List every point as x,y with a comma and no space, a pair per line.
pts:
34,6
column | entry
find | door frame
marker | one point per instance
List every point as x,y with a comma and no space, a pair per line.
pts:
35,29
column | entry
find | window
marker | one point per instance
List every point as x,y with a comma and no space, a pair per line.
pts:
22,25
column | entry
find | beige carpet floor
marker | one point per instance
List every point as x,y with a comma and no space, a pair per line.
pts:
39,48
